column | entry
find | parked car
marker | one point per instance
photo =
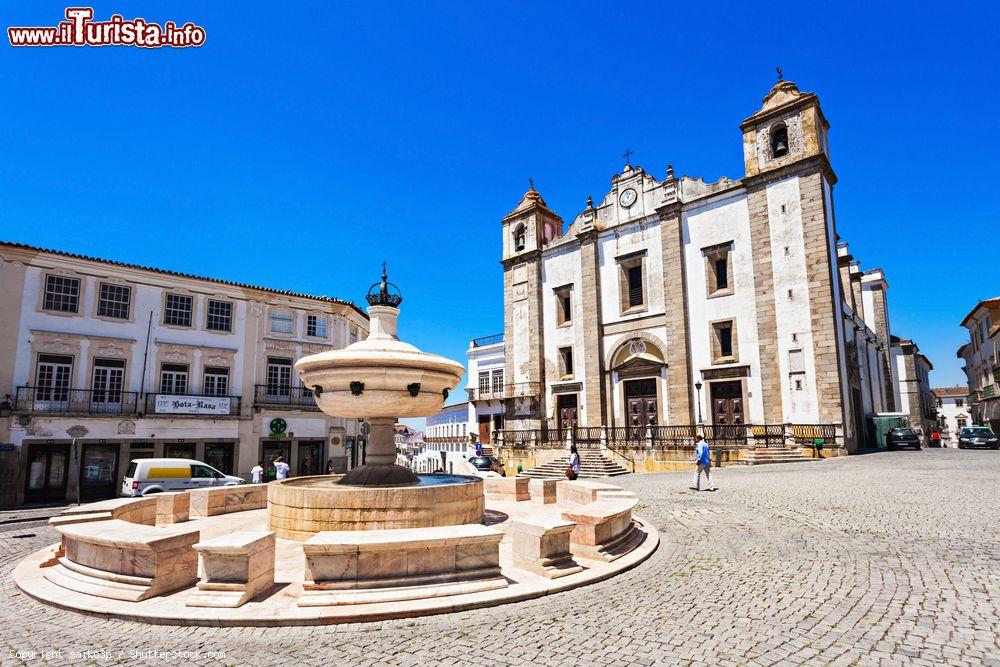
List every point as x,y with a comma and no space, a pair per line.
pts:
486,464
146,476
977,436
902,437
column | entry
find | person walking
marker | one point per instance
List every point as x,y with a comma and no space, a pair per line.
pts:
280,468
703,463
573,471
329,467
257,474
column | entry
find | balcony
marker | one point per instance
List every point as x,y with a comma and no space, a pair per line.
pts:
487,340
206,405
55,400
516,390
299,398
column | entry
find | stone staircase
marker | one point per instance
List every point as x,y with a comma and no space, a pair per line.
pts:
593,465
762,455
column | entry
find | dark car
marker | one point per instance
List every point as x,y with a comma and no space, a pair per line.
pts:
486,464
902,437
978,436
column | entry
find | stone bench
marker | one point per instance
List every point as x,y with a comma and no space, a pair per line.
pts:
604,529
543,491
134,510
172,507
225,499
125,561
67,519
513,489
583,491
541,545
356,567
235,568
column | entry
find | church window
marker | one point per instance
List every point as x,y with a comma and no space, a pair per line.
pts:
718,269
564,305
779,140
566,362
724,342
632,284
519,238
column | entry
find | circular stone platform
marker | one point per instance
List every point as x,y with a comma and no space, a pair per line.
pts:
299,508
279,606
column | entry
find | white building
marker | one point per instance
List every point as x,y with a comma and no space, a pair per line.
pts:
102,362
486,387
982,361
953,413
446,439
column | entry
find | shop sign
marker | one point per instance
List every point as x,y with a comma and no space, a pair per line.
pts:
192,405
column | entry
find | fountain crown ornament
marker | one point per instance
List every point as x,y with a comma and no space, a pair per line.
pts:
387,295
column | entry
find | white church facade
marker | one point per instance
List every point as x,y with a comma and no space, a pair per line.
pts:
677,301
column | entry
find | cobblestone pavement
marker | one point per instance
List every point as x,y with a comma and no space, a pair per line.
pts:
889,558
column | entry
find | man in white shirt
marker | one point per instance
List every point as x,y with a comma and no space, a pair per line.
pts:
257,474
280,468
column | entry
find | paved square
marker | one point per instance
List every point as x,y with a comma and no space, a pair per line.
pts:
888,558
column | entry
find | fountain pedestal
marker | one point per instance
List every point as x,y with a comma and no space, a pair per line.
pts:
380,468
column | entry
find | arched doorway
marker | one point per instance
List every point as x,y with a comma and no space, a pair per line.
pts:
638,368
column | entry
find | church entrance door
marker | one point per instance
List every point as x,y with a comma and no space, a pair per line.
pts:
640,406
727,403
566,411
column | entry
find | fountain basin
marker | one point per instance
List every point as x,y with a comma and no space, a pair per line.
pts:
299,508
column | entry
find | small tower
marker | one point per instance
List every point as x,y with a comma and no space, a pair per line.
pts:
788,127
529,226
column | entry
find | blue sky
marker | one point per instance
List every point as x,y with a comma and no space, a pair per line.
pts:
304,143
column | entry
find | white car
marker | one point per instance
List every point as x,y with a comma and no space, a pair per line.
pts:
145,476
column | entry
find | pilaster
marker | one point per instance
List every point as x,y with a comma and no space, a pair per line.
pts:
680,406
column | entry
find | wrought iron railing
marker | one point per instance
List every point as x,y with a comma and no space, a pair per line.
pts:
621,439
520,438
487,340
57,400
808,434
300,397
514,390
208,405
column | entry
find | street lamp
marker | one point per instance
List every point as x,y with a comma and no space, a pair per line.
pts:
697,385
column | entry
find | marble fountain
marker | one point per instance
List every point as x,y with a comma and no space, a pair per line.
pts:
378,542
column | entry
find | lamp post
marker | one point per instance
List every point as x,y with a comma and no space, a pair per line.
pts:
697,386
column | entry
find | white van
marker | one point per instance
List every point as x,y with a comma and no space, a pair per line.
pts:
145,476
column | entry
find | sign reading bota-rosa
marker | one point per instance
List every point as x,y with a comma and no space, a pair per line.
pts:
79,29
192,405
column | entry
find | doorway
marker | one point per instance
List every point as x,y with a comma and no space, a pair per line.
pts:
727,413
98,468
484,429
311,458
640,404
46,478
566,411
219,455
179,450
272,450
727,403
